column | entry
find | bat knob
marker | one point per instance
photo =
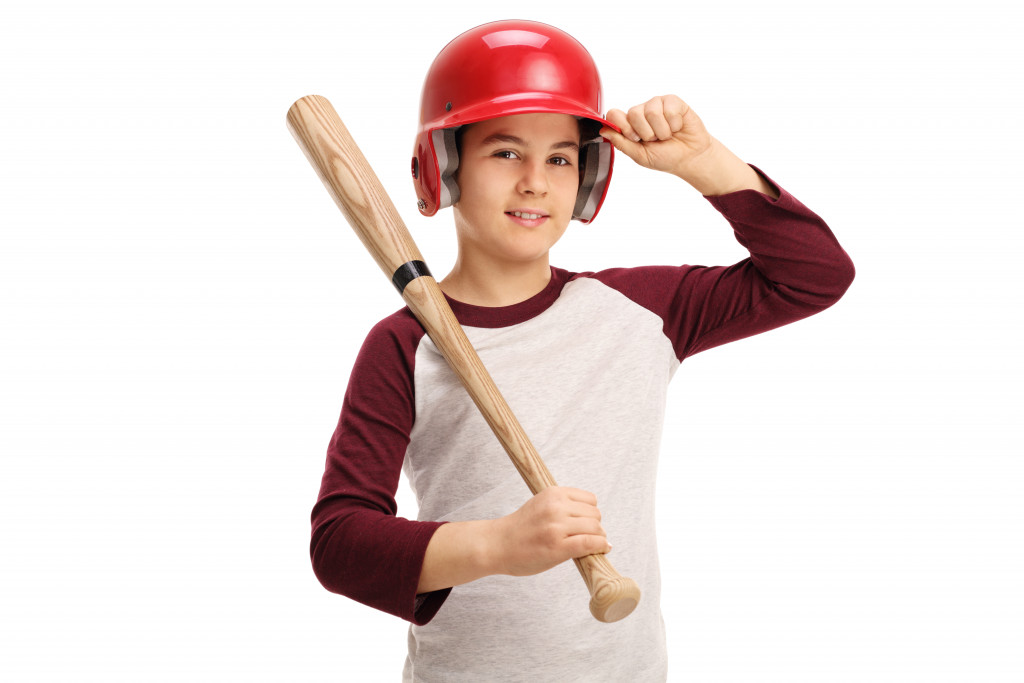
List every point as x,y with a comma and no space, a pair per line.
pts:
612,595
615,599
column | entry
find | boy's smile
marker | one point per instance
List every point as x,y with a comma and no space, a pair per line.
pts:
518,179
526,217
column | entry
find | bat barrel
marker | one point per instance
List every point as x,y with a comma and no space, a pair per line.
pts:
352,184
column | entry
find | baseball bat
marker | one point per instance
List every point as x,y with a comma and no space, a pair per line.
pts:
356,190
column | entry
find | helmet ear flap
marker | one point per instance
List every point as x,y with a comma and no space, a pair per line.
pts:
434,167
446,149
596,155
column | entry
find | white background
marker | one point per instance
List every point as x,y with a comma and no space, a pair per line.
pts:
840,500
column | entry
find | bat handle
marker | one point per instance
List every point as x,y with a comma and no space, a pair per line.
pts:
612,596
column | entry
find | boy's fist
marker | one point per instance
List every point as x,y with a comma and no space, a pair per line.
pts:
663,134
556,525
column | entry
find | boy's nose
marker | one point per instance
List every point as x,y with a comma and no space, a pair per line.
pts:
534,179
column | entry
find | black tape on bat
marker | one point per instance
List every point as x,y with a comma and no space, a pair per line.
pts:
408,272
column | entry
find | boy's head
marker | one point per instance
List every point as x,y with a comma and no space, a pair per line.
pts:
502,69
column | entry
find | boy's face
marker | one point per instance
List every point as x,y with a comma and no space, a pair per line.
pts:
518,178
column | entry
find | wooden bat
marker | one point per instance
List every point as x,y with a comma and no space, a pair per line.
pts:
362,199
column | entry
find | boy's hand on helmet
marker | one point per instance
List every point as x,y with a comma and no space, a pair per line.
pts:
663,134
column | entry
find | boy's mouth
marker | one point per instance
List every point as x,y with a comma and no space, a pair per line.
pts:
528,215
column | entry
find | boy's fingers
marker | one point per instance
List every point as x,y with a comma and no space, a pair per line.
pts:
580,496
654,114
577,509
675,112
637,118
618,118
657,119
581,546
621,143
584,526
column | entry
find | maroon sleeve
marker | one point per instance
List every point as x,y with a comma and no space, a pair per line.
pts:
796,268
360,548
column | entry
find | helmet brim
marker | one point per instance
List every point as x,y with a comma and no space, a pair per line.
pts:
522,103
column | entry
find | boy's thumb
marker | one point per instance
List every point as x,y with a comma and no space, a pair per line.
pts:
621,142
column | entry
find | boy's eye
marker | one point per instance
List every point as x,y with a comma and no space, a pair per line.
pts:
560,161
506,154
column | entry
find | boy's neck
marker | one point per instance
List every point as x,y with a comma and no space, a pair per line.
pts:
496,286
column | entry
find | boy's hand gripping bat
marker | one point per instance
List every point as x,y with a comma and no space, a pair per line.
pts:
359,194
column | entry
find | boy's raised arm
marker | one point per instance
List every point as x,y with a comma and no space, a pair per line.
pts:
796,266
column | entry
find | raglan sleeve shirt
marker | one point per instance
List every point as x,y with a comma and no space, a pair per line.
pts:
361,549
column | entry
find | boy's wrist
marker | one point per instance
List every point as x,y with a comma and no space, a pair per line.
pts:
484,558
717,171
458,553
491,557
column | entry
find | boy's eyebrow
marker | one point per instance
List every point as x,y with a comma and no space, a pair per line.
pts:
513,140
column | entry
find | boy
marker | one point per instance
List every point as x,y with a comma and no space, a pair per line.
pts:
508,139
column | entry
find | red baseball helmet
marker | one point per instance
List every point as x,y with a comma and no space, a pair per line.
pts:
499,69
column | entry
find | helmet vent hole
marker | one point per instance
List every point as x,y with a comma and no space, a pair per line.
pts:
448,106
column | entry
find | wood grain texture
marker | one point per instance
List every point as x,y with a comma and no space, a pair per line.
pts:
351,182
359,194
